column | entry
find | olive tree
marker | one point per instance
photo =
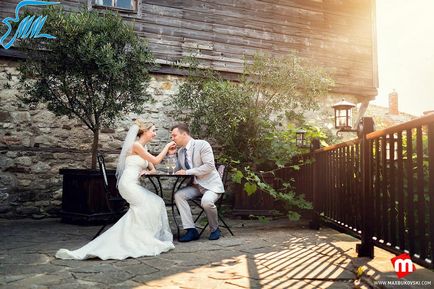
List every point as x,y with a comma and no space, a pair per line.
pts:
96,70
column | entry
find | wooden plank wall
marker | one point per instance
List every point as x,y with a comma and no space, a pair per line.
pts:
337,34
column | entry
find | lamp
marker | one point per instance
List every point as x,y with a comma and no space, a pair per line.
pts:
343,116
300,140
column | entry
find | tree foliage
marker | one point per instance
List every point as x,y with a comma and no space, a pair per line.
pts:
255,118
240,116
96,70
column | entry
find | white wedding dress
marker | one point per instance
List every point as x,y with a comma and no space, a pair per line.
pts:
143,231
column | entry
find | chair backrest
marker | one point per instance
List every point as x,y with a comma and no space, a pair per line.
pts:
103,171
223,172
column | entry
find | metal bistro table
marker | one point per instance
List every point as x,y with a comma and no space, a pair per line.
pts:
155,180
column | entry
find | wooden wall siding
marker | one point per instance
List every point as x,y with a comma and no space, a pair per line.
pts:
337,34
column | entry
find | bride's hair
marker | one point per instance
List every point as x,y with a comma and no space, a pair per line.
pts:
143,126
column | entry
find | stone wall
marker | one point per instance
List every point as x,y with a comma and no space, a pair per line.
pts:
35,144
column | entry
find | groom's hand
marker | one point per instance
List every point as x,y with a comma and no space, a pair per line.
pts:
181,172
144,172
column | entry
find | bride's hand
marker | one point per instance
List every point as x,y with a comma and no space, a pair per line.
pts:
171,148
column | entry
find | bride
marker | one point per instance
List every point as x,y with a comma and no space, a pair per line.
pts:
144,230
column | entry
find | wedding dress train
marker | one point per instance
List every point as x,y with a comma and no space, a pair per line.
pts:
143,231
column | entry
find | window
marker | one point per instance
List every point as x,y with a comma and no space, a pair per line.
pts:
122,4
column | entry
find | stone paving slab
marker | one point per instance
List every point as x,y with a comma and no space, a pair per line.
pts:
277,254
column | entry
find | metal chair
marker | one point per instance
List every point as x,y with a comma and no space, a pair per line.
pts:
114,201
223,171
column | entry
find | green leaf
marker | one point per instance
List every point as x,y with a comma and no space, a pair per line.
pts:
250,188
293,216
237,177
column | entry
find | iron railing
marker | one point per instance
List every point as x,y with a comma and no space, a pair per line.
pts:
379,188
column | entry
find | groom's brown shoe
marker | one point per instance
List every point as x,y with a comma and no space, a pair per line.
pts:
191,235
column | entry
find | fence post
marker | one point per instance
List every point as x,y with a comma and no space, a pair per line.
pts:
366,248
431,185
315,222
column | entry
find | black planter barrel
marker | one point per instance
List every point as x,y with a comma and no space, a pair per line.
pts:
84,200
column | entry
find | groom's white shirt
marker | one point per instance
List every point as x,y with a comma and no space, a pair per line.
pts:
201,160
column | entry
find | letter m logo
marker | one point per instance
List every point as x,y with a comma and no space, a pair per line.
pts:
403,265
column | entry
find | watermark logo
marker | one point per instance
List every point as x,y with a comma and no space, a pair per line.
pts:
29,27
403,265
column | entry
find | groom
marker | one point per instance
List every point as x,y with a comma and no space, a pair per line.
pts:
196,158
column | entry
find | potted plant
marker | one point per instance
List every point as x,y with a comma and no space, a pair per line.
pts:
253,120
96,70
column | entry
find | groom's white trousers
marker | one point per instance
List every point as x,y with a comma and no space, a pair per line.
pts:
207,202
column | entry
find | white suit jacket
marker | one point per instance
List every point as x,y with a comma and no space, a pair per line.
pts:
203,167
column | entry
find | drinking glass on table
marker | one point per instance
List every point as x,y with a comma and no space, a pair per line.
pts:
171,164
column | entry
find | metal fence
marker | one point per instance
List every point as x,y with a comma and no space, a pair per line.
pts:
379,188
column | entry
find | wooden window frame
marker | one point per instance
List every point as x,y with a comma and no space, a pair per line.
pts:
135,8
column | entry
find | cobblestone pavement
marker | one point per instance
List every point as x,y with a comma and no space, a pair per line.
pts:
276,254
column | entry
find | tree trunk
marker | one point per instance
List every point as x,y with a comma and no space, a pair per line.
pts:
95,147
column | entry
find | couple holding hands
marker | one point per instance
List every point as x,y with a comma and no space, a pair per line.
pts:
144,230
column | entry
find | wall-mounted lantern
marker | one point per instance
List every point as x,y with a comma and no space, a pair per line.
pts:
300,140
343,115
